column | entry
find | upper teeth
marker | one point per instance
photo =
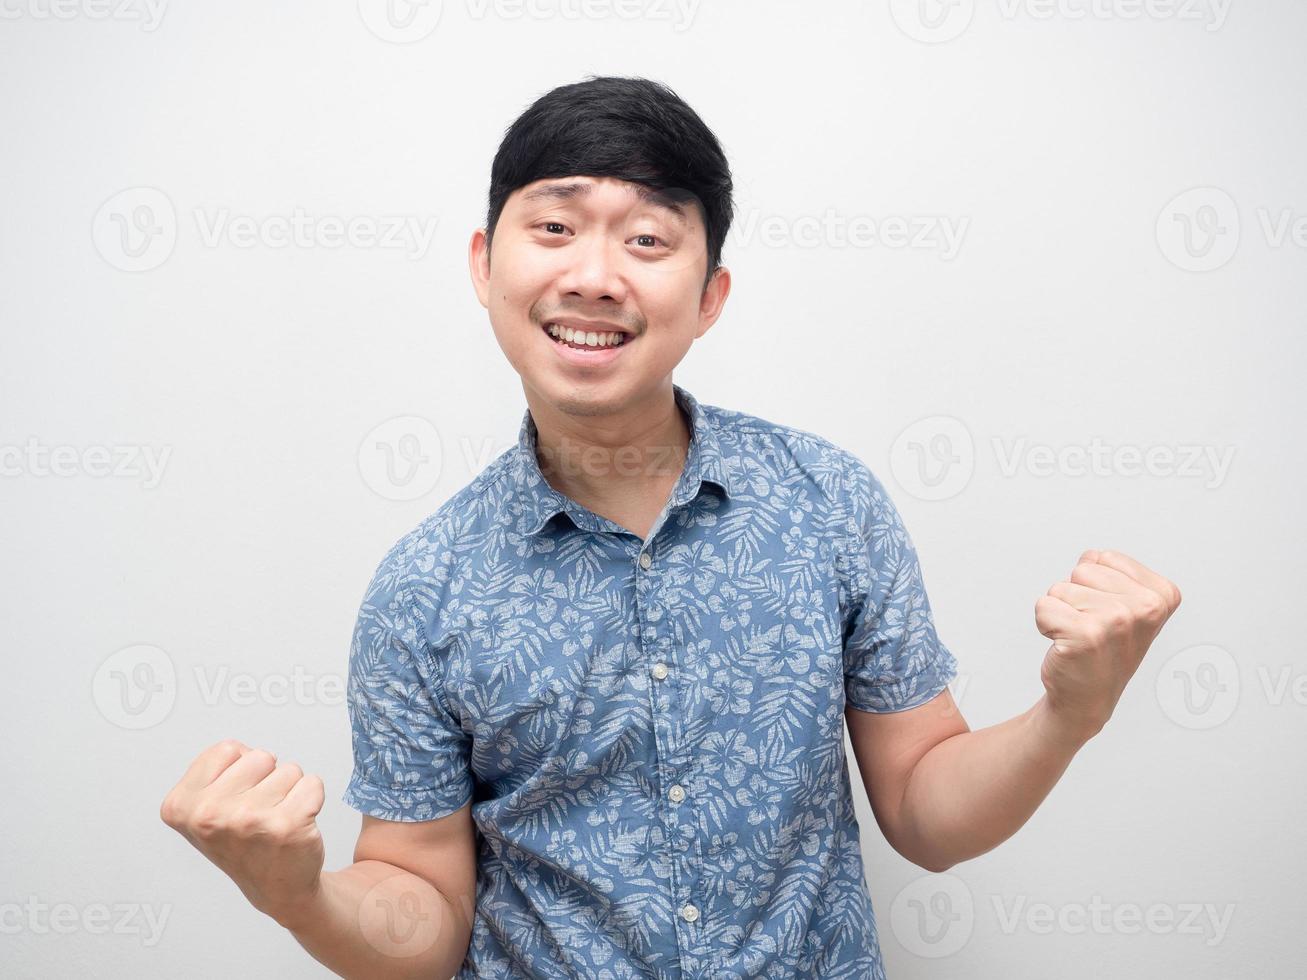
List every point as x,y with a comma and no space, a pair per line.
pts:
590,338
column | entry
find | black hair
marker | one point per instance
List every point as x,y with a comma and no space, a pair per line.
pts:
632,129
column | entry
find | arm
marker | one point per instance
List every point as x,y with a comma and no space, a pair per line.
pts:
404,908
942,793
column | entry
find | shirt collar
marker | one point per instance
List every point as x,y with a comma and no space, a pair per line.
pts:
705,462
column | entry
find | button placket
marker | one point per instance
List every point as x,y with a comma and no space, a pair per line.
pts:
663,729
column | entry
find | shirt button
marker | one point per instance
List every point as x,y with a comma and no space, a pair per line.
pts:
659,671
676,794
689,913
645,560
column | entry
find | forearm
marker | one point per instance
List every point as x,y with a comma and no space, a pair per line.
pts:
974,790
406,928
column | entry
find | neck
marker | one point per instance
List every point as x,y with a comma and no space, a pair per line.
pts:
602,457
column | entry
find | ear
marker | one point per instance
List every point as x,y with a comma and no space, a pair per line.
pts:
713,299
478,263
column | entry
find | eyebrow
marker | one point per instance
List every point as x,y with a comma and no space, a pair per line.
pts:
566,192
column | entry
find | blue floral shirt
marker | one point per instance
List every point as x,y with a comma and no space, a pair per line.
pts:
650,733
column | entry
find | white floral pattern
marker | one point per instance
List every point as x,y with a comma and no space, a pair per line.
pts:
505,655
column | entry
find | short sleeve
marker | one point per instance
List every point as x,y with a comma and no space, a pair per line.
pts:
893,659
411,757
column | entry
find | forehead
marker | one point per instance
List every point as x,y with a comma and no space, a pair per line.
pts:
581,190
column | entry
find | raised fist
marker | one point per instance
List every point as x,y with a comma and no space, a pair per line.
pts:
1101,621
254,819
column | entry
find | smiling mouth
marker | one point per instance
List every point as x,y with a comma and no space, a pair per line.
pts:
593,340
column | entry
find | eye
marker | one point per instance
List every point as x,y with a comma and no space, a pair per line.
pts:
653,237
551,224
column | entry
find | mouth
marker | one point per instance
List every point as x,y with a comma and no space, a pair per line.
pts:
578,344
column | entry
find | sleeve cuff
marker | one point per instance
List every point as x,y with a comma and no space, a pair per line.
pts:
908,692
406,805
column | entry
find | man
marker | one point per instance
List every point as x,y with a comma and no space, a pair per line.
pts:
599,697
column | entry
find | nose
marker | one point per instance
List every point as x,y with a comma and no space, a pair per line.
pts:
594,270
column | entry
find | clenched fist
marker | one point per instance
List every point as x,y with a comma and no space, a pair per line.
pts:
254,819
1101,622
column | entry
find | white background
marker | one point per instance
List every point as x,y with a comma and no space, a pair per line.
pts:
1063,138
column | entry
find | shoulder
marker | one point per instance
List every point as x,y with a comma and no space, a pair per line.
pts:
428,550
786,451
766,449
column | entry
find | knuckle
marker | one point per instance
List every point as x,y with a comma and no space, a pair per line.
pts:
168,811
245,821
1154,607
227,749
274,828
1096,634
206,821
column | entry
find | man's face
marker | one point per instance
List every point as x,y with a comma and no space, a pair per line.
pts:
599,255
